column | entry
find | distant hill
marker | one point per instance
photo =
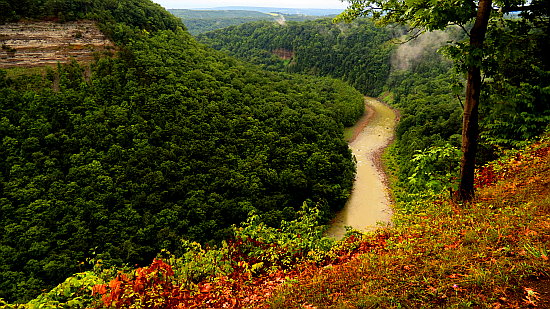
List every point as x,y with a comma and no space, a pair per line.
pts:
303,11
201,21
218,14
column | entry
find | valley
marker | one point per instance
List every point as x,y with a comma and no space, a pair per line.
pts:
150,163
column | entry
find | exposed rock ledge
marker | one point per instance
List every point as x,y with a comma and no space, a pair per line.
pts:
28,44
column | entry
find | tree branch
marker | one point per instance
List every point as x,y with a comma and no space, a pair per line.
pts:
460,101
463,28
410,38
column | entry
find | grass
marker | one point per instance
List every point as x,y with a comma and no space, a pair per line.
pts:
490,253
16,72
348,133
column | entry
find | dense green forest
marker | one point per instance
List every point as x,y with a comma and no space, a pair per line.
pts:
429,95
135,13
357,53
166,139
418,78
200,21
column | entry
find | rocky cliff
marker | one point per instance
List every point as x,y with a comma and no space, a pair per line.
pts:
46,43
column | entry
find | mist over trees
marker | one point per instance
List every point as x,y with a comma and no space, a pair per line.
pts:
477,19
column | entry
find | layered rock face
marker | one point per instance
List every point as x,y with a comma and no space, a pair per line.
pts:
42,43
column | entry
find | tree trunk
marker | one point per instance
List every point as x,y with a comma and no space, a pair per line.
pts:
473,89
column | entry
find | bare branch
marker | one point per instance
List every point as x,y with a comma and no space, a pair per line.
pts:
460,101
410,37
463,28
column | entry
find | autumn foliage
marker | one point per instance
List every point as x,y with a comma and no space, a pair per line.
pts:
249,284
149,287
492,253
509,166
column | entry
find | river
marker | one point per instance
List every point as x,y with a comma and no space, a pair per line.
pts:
369,202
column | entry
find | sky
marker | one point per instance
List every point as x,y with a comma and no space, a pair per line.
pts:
306,4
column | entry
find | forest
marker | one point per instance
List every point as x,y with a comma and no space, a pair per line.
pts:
203,21
224,154
166,139
357,53
200,21
419,79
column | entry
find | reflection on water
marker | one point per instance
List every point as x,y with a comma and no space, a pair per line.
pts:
369,202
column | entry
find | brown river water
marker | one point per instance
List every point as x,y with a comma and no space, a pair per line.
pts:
369,204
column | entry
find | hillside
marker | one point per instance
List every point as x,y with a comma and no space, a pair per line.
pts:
440,254
161,140
358,53
300,11
492,253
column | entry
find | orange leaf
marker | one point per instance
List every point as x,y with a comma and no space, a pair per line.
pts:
99,289
114,284
205,288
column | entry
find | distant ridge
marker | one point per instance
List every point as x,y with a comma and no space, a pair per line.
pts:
218,14
304,11
200,21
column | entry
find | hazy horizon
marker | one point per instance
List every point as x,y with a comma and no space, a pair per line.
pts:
209,4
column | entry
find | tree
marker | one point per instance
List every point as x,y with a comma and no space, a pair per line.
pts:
427,15
471,105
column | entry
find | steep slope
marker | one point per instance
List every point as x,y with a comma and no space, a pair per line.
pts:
358,53
167,139
492,253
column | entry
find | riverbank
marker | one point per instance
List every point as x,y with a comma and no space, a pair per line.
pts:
369,204
351,133
492,253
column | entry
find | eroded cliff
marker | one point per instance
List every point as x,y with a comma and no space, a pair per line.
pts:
41,43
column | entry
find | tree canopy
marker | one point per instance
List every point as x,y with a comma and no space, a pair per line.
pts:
164,140
357,53
475,18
